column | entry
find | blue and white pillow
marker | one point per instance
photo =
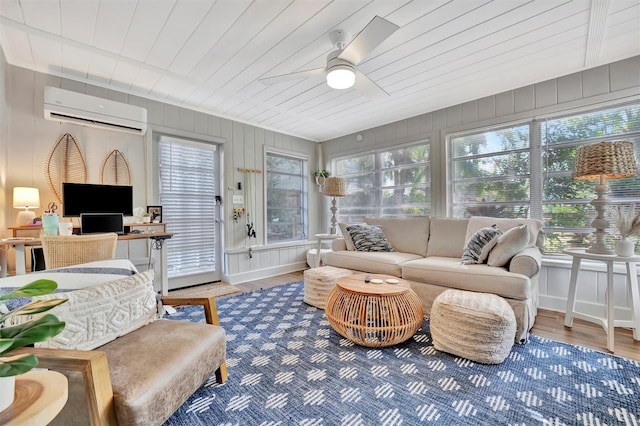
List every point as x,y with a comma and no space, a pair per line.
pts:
369,238
480,244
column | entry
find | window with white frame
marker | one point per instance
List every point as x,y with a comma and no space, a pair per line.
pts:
525,170
389,182
566,202
286,183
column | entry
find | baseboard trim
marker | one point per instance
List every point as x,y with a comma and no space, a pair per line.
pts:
265,273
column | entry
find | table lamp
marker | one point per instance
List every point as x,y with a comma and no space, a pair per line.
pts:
334,187
25,198
604,160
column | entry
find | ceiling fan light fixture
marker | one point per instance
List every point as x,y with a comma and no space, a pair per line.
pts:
341,77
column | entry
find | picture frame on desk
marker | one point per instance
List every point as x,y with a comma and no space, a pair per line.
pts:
156,213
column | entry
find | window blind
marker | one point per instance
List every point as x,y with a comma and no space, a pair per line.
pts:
187,190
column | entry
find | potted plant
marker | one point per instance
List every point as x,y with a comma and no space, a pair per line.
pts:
628,225
321,176
146,218
17,336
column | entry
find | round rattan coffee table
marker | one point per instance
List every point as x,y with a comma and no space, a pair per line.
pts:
374,315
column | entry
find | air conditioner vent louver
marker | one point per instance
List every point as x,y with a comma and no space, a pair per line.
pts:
73,107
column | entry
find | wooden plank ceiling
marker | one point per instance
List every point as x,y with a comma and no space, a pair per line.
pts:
209,55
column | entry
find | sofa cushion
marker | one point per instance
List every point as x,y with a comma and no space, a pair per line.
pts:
101,313
449,272
509,243
447,236
369,238
345,234
389,263
479,245
406,234
477,222
151,377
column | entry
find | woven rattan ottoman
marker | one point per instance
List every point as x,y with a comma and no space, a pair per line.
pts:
477,326
318,282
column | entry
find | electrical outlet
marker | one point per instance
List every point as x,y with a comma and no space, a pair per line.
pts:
238,199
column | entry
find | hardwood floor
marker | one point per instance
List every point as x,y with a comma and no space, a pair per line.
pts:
549,324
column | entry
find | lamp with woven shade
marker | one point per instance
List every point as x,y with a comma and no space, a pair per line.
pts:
334,187
604,160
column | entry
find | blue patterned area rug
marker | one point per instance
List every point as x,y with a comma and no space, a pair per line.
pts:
287,366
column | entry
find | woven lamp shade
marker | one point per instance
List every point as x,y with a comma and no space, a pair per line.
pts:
335,187
611,160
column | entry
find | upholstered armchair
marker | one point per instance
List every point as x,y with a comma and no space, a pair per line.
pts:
66,250
142,376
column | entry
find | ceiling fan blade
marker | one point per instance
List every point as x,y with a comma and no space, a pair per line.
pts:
376,31
293,76
368,87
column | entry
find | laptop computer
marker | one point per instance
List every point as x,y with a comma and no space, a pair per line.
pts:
91,223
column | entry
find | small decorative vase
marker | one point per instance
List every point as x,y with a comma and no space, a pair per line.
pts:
146,219
7,391
625,247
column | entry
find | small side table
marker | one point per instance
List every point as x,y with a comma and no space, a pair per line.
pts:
40,395
609,322
321,238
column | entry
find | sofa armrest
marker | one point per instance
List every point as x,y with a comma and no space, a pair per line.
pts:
527,262
338,244
210,315
93,367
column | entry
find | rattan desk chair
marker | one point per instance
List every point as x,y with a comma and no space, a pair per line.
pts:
66,250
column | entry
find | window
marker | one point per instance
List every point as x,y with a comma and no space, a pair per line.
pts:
391,182
490,173
187,190
286,198
566,202
505,172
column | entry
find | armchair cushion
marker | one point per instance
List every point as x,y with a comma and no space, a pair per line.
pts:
99,314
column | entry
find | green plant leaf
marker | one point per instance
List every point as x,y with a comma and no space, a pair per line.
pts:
36,288
5,344
19,364
36,330
33,307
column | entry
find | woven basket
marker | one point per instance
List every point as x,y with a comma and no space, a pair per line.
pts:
374,320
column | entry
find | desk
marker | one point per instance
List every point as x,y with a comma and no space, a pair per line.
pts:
40,395
609,322
321,238
21,268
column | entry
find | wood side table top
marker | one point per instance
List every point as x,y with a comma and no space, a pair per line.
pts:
40,395
355,283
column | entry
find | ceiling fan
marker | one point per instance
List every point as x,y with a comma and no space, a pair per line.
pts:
341,71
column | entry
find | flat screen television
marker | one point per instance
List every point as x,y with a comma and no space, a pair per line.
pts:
78,198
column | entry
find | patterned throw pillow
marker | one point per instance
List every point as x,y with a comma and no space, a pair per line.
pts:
369,238
480,244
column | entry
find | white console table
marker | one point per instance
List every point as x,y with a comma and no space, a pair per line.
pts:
609,322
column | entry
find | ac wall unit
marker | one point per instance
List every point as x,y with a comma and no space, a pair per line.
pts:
73,107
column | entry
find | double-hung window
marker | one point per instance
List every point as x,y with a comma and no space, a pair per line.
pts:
390,182
286,183
566,202
525,170
490,172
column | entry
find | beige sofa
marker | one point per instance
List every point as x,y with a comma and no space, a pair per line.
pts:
428,254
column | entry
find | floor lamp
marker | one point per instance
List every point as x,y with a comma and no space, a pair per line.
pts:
334,187
604,160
